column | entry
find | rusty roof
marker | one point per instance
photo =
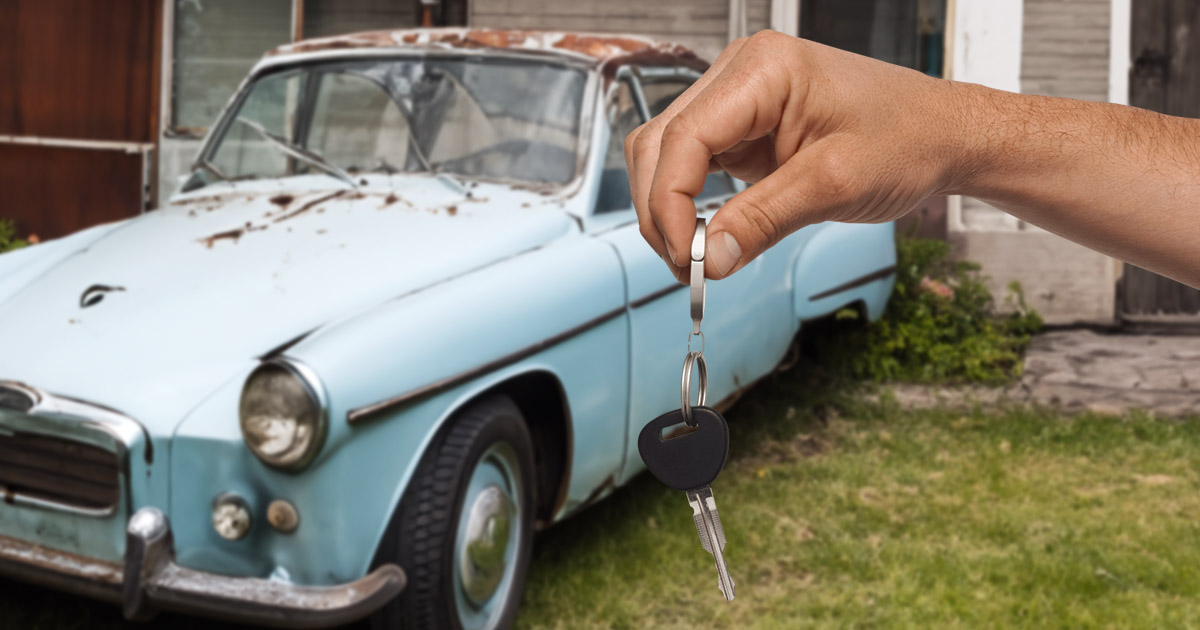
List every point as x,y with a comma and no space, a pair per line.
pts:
603,49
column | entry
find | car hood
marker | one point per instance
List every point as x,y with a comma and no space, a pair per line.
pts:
185,298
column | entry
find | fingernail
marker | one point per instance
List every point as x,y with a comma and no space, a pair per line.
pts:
671,252
724,251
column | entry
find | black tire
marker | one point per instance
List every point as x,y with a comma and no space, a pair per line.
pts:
421,535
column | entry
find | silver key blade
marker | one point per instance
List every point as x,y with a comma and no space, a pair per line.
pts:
708,526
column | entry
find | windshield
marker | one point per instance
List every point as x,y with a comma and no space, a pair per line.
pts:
488,118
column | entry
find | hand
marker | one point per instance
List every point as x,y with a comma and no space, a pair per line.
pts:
822,134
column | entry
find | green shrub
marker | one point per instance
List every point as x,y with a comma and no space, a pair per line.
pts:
8,237
942,324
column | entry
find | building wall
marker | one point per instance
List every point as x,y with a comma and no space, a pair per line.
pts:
702,25
1065,48
1057,48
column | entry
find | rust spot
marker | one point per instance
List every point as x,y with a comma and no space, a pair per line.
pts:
600,46
232,235
322,231
609,483
308,206
452,210
199,200
282,200
390,199
603,48
9,496
525,204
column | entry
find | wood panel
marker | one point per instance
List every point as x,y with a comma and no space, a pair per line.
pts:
1064,48
702,25
79,69
1165,78
52,191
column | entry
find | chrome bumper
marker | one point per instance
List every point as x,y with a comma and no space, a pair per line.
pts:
150,581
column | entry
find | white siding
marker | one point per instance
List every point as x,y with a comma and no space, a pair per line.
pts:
1065,48
702,25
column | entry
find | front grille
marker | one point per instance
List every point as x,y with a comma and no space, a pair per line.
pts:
60,471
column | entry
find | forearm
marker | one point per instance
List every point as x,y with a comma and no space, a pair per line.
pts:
1120,180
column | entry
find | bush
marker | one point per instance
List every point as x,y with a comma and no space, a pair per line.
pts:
8,237
941,324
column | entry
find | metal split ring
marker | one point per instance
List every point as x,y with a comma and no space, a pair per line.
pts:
693,359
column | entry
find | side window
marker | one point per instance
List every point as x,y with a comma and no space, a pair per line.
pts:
659,95
614,183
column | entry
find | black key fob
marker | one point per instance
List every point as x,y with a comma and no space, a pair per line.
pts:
689,461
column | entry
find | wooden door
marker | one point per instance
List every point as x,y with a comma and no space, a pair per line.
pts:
1165,78
78,111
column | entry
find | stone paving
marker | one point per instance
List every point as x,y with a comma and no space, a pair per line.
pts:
1082,370
1112,373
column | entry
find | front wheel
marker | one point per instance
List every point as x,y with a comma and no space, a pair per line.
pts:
464,529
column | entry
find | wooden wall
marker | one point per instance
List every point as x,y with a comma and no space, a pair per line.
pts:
1064,48
74,70
702,25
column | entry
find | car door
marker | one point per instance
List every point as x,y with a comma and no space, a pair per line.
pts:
748,321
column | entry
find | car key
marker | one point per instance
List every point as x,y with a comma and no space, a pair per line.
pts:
691,461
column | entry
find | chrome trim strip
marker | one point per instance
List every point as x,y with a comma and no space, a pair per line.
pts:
77,421
879,274
365,412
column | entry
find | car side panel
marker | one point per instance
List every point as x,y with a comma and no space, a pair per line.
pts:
843,264
347,497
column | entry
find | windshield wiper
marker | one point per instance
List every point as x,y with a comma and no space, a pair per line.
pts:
300,153
211,168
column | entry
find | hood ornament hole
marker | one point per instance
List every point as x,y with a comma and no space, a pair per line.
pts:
95,293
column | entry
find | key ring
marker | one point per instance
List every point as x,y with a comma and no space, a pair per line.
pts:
693,359
697,275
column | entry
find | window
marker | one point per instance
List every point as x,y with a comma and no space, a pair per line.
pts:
614,182
356,125
216,42
245,153
904,32
659,95
323,18
474,117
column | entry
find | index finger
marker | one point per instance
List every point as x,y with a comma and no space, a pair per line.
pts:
744,102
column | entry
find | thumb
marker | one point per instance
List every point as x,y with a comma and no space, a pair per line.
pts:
809,188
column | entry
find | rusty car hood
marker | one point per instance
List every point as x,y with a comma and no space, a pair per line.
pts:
185,298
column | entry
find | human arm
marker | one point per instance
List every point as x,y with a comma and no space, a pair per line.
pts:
826,135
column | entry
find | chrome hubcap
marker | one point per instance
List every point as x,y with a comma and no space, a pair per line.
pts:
489,538
483,557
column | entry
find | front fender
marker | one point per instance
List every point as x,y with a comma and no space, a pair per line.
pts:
346,498
845,263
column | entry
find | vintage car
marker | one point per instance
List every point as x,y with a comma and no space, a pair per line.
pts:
398,318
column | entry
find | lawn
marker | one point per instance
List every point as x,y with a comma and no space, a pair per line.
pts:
846,514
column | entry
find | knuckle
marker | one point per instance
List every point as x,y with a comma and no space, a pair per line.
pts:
632,137
836,178
648,229
678,129
760,218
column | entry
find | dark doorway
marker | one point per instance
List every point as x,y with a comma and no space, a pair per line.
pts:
1164,78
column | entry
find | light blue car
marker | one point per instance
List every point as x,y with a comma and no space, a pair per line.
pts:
398,318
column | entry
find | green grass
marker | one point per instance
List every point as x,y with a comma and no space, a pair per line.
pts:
842,514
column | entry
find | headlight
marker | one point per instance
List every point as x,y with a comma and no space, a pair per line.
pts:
283,415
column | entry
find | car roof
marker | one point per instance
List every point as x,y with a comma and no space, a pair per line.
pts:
605,51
